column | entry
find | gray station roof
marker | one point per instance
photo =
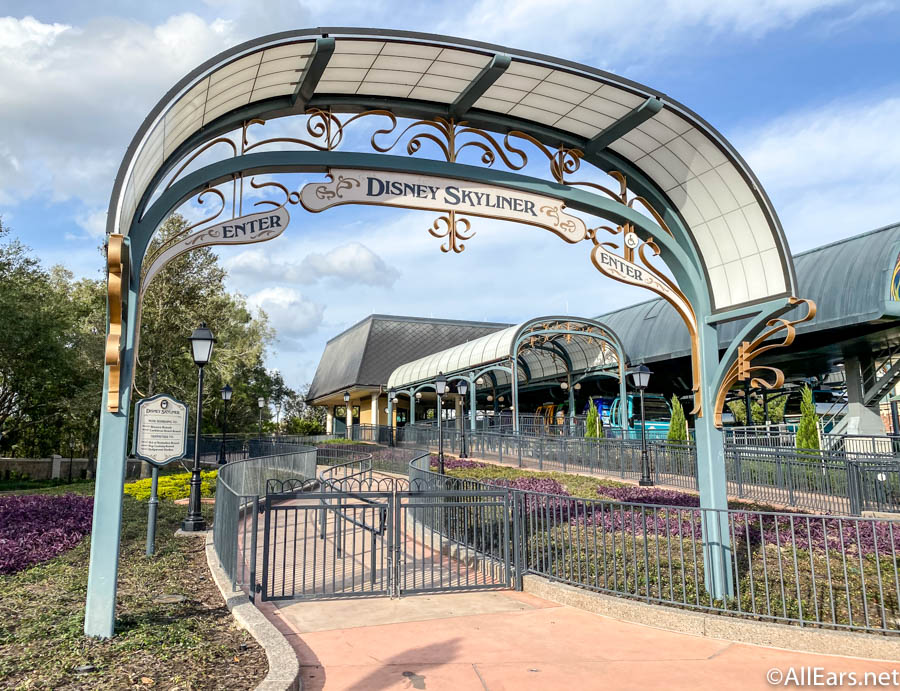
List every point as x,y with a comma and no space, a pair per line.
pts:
724,209
365,354
849,280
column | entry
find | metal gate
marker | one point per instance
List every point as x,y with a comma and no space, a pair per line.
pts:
372,542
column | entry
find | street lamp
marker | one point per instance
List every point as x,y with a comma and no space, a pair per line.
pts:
261,402
226,397
640,377
440,388
201,349
392,402
462,388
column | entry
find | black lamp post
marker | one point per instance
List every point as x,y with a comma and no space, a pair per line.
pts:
640,377
462,388
440,388
348,415
201,349
392,408
261,402
226,397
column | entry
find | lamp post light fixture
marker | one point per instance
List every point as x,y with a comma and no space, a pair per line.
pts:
440,388
462,388
261,402
564,385
226,398
640,377
202,341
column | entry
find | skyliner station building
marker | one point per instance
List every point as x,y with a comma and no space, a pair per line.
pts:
849,353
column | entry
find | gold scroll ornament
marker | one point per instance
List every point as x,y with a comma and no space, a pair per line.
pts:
741,369
116,285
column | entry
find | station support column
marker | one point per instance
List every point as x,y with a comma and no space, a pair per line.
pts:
711,477
100,606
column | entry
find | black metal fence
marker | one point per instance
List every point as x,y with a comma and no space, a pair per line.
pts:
804,569
816,481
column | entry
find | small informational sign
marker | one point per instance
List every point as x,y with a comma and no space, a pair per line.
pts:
160,429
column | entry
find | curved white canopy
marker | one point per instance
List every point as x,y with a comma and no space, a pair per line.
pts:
544,357
733,226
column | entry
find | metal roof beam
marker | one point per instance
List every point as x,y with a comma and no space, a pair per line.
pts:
476,88
623,125
312,73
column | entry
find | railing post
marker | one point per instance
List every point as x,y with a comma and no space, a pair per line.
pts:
519,446
254,528
854,487
518,547
540,452
738,469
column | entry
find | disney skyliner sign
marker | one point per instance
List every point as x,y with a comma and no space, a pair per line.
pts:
429,193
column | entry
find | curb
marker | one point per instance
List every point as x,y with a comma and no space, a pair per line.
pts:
284,668
770,635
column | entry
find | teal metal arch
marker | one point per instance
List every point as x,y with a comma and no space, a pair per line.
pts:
679,251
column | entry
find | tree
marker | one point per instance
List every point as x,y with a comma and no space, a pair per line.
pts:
191,289
775,405
807,430
38,351
678,431
593,427
299,414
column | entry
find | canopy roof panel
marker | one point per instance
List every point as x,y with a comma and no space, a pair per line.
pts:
546,347
730,220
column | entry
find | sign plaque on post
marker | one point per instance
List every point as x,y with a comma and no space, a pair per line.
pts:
160,437
160,429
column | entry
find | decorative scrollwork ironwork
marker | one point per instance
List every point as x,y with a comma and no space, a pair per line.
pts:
742,367
453,232
446,134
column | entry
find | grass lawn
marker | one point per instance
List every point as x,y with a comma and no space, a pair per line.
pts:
190,644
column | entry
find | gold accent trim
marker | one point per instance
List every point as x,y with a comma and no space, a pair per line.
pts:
743,366
116,280
453,232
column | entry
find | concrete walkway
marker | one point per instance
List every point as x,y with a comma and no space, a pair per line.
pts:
514,641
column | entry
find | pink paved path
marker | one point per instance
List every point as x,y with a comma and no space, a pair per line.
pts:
514,641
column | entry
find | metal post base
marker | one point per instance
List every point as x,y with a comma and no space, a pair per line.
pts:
645,483
193,525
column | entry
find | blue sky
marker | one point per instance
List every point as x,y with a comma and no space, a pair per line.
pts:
807,90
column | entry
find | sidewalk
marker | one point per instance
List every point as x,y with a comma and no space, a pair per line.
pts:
512,641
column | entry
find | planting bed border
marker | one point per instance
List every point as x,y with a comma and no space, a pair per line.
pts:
710,625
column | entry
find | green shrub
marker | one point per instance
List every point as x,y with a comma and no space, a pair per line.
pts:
173,486
593,428
807,431
678,426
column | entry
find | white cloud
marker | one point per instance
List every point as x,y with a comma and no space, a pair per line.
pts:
351,264
613,31
93,222
72,97
831,171
294,316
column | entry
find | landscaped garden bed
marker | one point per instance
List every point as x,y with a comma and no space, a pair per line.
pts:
173,630
646,542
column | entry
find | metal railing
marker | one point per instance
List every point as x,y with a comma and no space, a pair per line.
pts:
818,481
239,486
809,570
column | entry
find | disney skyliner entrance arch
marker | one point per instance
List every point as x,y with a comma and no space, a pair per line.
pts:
663,182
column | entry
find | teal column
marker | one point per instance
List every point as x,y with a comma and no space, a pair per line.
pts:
711,477
514,393
412,407
571,402
100,607
473,401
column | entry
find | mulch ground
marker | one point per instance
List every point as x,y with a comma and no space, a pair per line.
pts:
173,630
